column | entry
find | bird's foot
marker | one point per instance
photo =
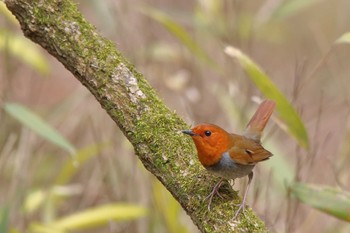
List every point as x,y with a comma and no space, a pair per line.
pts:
213,192
241,208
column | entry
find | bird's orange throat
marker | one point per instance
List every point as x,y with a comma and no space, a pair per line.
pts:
207,158
209,154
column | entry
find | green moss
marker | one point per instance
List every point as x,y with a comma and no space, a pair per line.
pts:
250,223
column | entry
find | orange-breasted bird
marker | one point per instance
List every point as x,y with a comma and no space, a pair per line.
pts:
232,156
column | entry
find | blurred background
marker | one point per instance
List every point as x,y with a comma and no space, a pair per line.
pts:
62,156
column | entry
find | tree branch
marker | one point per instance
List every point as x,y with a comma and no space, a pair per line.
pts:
130,101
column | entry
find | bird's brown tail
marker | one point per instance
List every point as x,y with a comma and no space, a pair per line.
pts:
258,122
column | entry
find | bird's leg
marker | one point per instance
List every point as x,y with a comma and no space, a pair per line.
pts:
241,206
213,192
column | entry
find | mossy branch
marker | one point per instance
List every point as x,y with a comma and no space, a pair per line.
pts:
149,125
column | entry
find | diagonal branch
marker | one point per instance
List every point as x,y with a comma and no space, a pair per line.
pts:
131,102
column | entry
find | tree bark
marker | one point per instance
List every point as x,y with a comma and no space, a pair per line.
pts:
149,125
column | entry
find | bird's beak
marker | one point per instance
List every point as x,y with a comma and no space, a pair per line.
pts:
189,132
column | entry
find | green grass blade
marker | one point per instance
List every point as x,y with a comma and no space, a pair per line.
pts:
83,155
34,200
169,208
92,218
47,199
13,230
327,199
292,7
4,219
344,39
181,34
23,49
38,125
286,111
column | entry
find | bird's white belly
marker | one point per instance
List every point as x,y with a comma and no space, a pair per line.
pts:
229,169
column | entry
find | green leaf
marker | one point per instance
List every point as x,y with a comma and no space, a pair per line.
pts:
181,34
34,200
48,198
81,156
286,111
23,49
93,218
344,39
327,199
14,230
169,208
4,219
292,7
38,125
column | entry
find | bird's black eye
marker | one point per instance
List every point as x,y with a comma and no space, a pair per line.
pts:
207,133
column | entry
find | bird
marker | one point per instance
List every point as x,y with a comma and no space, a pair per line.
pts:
230,155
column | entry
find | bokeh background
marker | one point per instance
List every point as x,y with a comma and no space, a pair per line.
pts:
293,41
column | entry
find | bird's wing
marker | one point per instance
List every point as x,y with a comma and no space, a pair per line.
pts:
246,151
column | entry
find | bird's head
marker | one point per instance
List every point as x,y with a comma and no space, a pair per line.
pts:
211,142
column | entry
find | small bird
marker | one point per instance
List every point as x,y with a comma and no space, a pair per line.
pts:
232,156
